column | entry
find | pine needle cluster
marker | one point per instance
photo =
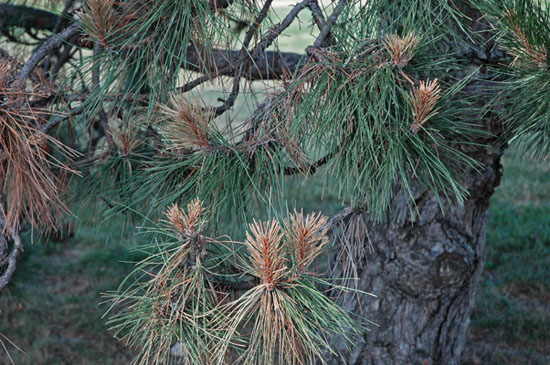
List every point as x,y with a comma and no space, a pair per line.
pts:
375,110
292,321
401,49
187,125
523,100
383,120
171,300
423,100
176,297
32,179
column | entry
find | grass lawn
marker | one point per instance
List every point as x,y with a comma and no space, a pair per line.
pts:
511,320
52,309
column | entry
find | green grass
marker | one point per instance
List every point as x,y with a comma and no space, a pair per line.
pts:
52,308
511,319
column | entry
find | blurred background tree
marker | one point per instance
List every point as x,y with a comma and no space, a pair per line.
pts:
123,110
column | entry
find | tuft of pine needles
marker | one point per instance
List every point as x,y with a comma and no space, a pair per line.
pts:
186,124
173,303
265,247
523,100
98,18
423,100
171,299
355,108
307,237
32,178
143,45
401,49
292,320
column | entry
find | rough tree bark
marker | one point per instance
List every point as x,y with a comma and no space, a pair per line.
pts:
425,274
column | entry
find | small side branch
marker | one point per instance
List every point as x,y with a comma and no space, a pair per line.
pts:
275,31
235,285
329,24
268,65
55,41
243,59
10,260
311,169
317,13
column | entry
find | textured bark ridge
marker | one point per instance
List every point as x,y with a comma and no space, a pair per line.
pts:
425,267
425,277
425,273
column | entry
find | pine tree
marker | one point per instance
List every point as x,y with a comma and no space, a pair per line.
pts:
403,107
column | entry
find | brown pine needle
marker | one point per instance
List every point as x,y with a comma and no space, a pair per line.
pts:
401,49
187,223
98,18
423,100
306,238
264,244
33,191
187,124
126,138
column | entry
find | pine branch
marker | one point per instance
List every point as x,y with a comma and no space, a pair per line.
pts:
55,41
235,285
66,55
276,31
267,65
311,169
10,259
26,17
243,59
264,65
329,24
317,14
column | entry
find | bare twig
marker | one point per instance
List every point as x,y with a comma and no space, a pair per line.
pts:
317,13
275,31
58,119
235,285
10,261
55,41
62,18
311,169
243,59
329,24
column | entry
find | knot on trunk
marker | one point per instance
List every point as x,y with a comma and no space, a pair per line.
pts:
449,269
429,278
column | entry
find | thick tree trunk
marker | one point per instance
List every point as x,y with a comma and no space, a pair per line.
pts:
424,268
425,274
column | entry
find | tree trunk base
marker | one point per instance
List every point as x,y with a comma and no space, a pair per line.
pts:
424,273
